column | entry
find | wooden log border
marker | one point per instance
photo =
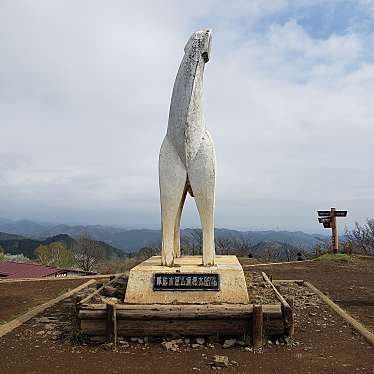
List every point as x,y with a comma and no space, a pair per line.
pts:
287,309
358,326
161,320
9,326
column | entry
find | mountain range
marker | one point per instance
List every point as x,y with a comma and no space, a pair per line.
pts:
131,240
16,244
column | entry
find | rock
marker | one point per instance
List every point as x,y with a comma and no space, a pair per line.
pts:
187,341
177,341
140,340
109,291
196,369
195,345
220,361
200,341
112,300
240,342
234,363
229,343
44,320
50,326
133,339
248,349
124,343
170,346
107,346
41,332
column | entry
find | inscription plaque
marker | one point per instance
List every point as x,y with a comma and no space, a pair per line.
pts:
186,282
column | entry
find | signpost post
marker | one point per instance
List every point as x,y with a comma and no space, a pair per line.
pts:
328,219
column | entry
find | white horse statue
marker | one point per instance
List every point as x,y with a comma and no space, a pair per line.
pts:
187,156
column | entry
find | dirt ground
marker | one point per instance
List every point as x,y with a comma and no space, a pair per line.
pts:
18,297
350,285
323,342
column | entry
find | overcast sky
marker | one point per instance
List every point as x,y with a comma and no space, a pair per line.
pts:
85,89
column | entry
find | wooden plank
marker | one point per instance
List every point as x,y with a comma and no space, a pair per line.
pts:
186,307
277,293
299,282
257,326
275,263
272,313
7,327
369,336
165,328
227,327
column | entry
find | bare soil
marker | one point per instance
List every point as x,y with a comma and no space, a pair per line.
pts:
18,297
350,285
323,342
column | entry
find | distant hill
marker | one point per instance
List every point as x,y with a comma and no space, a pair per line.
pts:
134,239
14,244
275,251
6,236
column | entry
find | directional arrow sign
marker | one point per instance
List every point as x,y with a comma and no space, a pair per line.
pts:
341,213
324,213
324,220
327,225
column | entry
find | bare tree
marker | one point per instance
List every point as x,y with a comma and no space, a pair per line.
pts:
361,238
192,242
224,245
87,252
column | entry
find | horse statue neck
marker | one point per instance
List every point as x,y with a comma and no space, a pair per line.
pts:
186,124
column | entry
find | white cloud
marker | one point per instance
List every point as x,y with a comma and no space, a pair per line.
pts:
84,97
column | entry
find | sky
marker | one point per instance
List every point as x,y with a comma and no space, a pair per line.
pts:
85,89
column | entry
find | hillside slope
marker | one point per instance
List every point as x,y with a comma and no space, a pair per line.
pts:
15,245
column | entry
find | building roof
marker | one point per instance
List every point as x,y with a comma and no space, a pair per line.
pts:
12,269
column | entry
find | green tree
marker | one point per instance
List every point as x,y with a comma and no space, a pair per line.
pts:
54,254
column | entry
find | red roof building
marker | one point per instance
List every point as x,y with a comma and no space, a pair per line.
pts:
14,270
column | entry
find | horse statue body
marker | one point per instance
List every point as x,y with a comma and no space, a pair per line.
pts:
187,156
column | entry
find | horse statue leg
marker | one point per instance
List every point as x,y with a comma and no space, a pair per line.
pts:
172,179
201,174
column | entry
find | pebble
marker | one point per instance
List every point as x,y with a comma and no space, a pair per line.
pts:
229,343
200,341
220,361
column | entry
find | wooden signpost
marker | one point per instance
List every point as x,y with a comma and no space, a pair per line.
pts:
328,219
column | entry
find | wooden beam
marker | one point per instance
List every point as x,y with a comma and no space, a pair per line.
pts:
7,327
369,336
195,327
277,293
168,312
111,322
257,326
334,228
275,263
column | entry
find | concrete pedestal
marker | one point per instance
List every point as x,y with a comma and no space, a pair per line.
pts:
189,282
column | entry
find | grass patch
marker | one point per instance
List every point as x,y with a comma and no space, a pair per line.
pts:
338,257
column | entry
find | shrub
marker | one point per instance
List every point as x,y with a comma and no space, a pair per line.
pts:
338,257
